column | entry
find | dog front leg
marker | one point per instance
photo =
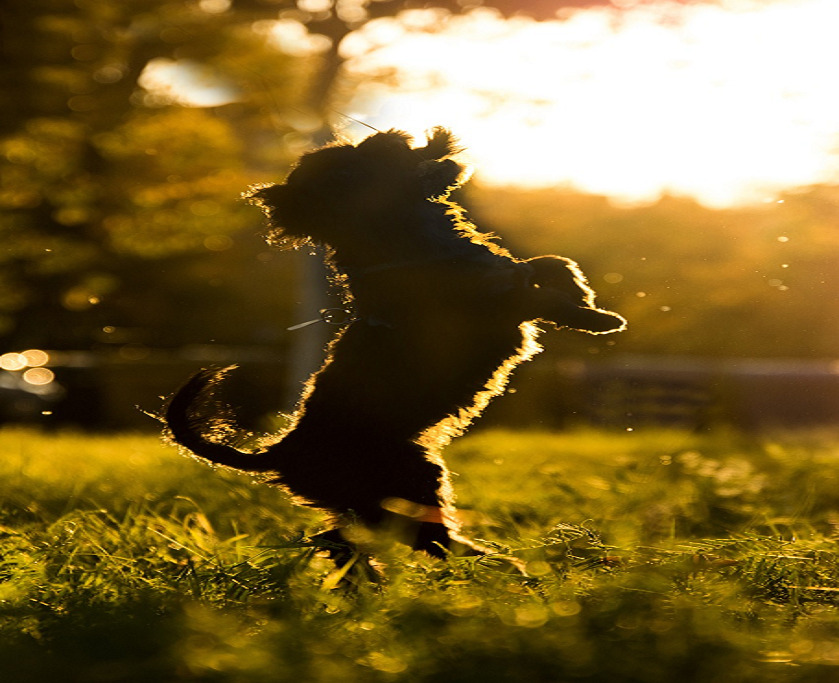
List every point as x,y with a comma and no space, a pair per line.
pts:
559,293
557,307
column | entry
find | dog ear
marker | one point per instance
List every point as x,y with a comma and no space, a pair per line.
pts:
270,198
277,205
441,144
264,194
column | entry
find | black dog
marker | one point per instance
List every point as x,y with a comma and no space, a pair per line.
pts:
442,315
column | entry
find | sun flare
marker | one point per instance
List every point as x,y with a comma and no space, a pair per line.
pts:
729,103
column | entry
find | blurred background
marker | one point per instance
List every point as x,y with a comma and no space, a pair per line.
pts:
684,153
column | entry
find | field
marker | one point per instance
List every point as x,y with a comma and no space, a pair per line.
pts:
651,556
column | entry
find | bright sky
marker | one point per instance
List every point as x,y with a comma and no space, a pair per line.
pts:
729,102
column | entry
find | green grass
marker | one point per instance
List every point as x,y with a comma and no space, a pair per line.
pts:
652,556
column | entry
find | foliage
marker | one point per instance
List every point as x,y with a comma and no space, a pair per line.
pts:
107,184
653,556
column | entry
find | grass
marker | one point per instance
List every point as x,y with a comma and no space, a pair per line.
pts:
652,557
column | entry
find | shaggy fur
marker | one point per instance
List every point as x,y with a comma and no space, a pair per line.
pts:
442,315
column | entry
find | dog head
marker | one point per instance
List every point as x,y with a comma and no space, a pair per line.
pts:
334,191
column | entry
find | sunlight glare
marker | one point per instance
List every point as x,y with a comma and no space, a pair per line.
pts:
186,83
38,376
12,361
36,358
729,103
292,38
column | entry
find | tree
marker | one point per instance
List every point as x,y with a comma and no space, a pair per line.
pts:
105,186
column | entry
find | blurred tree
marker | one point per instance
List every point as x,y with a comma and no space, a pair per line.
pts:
120,222
107,186
112,177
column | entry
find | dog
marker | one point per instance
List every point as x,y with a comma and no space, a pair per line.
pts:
441,315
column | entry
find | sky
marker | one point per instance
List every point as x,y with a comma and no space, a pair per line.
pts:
730,103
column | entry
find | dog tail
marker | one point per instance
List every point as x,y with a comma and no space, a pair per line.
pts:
185,423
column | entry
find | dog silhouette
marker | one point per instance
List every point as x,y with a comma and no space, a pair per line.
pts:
441,314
